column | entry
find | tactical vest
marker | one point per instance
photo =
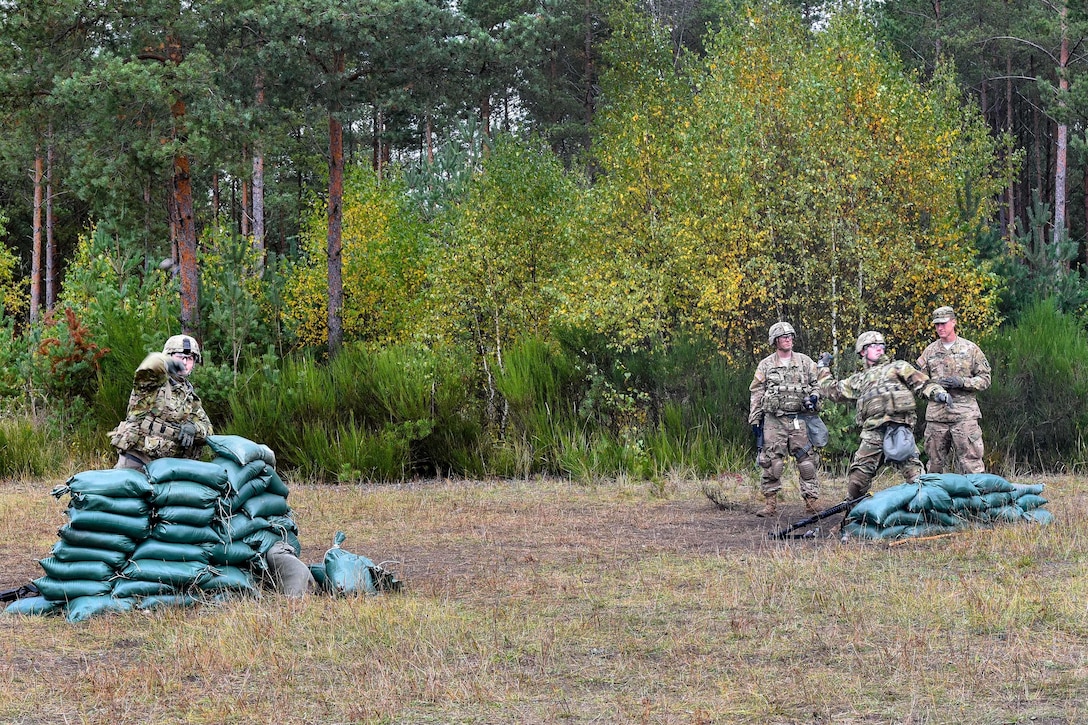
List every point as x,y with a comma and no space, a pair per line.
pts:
786,390
887,398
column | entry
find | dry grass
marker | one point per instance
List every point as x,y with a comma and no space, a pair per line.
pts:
545,601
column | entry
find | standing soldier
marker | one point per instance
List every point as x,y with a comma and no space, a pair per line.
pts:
963,370
165,417
886,411
784,388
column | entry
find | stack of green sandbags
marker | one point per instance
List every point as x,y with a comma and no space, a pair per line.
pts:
939,503
259,515
109,513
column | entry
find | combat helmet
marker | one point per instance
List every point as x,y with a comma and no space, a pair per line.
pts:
777,330
868,338
184,344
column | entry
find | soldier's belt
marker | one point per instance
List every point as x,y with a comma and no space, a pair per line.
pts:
159,427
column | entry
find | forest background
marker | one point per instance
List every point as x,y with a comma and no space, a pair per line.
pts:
532,236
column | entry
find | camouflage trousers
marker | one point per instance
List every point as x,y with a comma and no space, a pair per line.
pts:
787,436
868,459
961,440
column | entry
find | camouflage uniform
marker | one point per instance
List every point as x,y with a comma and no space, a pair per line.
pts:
885,394
779,390
159,405
955,428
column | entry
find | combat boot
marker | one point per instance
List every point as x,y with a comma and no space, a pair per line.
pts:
770,508
814,505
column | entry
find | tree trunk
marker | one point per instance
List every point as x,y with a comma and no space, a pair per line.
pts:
36,241
244,218
1060,163
258,187
50,239
335,239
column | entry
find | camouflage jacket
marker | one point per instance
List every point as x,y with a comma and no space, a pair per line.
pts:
158,406
963,359
781,389
884,392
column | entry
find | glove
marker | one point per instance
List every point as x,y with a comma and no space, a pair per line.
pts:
187,435
952,381
943,397
175,367
824,361
811,402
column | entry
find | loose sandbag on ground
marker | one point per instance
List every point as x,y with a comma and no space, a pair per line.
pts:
348,573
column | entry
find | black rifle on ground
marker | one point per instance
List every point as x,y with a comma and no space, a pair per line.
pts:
26,590
836,509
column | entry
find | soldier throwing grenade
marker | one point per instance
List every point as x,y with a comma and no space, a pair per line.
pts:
783,389
165,417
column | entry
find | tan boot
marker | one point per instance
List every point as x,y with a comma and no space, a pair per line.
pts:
814,505
770,507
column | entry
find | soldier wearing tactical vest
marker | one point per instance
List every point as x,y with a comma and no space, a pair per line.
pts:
963,370
165,417
784,387
885,393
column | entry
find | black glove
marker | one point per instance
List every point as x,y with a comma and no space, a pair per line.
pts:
952,381
943,397
824,361
187,435
174,367
811,402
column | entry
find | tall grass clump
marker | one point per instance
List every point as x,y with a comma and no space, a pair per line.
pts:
1034,413
28,448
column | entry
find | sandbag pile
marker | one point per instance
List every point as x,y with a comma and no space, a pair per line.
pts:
941,503
183,532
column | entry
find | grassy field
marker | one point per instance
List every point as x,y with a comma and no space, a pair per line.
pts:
547,601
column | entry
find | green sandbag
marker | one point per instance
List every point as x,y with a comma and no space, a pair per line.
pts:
129,506
230,577
968,505
253,487
115,482
1039,516
1022,489
348,573
166,551
134,527
276,485
61,590
904,518
86,607
69,570
239,475
321,577
882,503
165,470
177,573
240,450
184,493
1030,501
188,515
853,529
989,482
232,554
124,588
167,600
943,518
918,532
32,606
96,539
263,540
1006,514
64,551
997,499
182,534
265,505
956,484
283,524
930,498
241,525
